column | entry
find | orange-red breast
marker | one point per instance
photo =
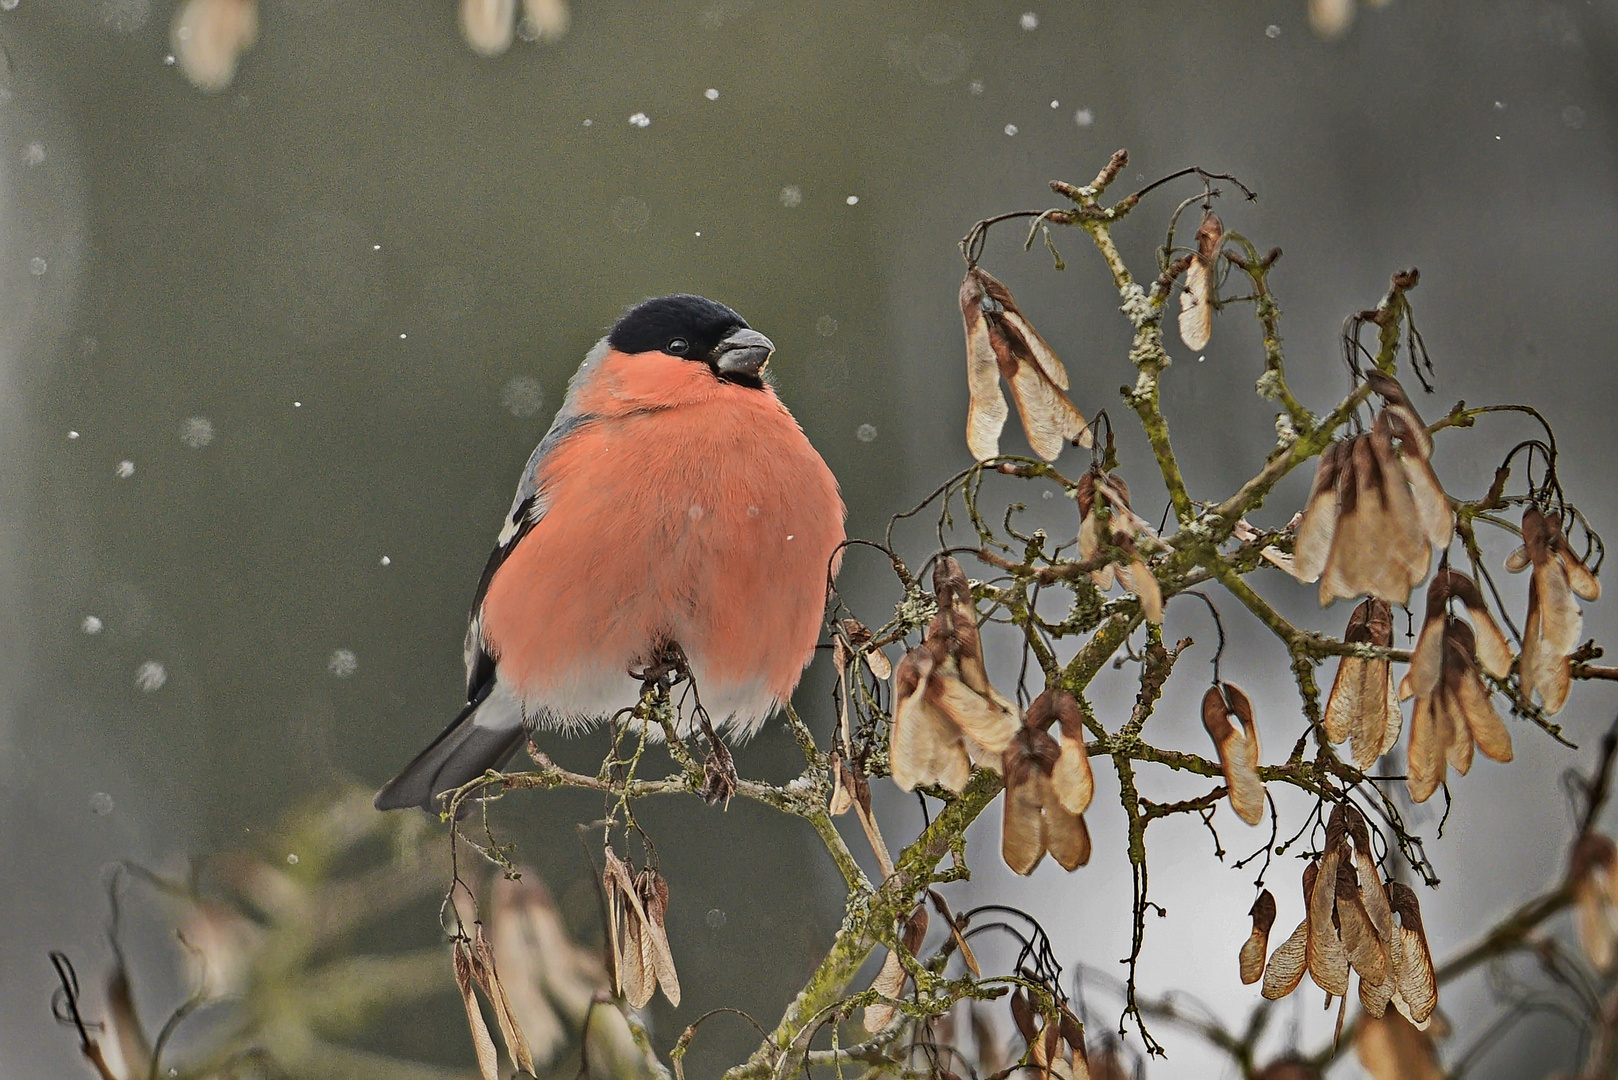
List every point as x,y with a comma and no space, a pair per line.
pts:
674,501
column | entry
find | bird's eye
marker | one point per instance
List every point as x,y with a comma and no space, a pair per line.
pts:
678,346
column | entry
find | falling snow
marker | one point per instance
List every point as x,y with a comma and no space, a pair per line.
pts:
522,397
852,200
125,16
343,663
825,326
91,625
197,432
1011,129
150,677
1084,118
125,470
101,804
1029,21
640,120
34,155
711,94
866,433
1272,31
37,266
791,196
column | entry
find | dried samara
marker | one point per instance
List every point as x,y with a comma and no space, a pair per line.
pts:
637,905
1453,711
1376,510
1555,623
1201,278
1228,716
946,715
1363,705
1105,520
1353,922
1048,787
1001,342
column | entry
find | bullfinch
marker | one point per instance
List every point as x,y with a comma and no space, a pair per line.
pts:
674,503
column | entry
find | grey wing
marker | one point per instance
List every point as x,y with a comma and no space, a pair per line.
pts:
528,506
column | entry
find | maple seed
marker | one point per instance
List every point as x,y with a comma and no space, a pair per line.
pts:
1228,716
488,25
637,905
1201,278
1391,1048
1594,877
1035,819
890,981
1363,705
1106,519
209,37
1072,778
946,714
1417,986
1258,942
1555,623
860,637
1376,509
1452,711
1000,342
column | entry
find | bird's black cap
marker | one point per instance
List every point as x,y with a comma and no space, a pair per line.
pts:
653,325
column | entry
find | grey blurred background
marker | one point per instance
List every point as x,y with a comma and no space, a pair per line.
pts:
272,358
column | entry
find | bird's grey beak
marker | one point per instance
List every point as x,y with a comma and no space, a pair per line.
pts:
743,352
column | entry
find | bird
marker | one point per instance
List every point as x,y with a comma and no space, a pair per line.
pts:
674,507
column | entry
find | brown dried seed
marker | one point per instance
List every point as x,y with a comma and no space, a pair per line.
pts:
842,791
1224,707
654,897
549,19
1286,967
890,983
987,412
1363,705
1366,953
1034,820
209,37
1416,985
1594,874
488,980
1258,942
1328,961
1318,526
1389,1048
1201,276
1555,622
1000,342
488,25
924,746
482,1043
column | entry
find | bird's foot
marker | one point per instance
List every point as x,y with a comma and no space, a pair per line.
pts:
671,667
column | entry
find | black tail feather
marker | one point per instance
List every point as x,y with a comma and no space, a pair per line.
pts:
464,751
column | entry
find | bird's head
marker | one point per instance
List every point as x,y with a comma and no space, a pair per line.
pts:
698,330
